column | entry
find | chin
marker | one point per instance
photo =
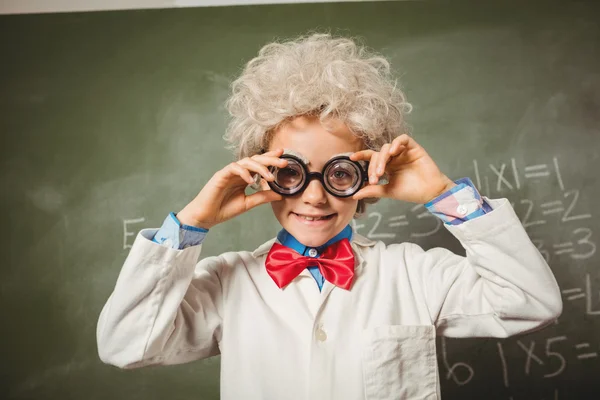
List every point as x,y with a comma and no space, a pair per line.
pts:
312,233
312,240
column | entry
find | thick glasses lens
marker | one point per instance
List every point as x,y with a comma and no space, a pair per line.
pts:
290,177
343,177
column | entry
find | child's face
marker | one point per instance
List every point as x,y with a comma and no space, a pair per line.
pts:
306,136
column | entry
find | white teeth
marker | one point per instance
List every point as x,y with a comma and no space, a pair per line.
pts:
311,218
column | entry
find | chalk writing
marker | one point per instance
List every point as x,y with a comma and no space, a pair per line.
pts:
511,180
567,217
504,366
577,293
554,354
584,356
127,233
378,235
452,369
424,213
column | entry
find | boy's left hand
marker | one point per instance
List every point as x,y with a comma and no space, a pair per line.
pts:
412,174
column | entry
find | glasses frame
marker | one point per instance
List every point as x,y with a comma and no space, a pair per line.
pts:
309,176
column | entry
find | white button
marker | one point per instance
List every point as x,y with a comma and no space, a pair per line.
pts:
321,335
461,210
313,252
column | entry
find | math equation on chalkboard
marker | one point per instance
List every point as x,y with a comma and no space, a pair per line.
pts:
562,227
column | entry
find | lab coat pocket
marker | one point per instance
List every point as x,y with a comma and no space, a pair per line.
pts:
399,362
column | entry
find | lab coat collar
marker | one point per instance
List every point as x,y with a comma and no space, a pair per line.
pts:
358,242
286,239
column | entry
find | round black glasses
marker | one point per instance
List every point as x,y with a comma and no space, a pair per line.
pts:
340,177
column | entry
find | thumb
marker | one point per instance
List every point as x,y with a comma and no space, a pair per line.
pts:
262,197
370,191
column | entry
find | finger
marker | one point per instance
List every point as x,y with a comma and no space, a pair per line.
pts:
273,153
399,141
407,141
396,149
264,159
237,170
372,169
258,198
364,155
257,167
382,160
370,191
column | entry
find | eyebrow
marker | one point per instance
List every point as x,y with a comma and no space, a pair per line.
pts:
343,154
294,153
306,161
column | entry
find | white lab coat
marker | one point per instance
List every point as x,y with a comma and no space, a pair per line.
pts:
375,341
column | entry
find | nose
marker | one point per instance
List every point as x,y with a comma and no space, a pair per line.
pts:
314,193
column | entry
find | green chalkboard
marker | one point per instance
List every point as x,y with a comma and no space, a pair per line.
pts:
110,120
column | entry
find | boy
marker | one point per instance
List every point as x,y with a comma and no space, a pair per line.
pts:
321,312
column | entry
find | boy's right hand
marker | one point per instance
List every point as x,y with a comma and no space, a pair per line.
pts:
223,197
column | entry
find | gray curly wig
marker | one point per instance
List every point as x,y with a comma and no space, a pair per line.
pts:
316,75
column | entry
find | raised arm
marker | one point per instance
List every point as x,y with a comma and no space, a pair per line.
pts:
165,308
501,288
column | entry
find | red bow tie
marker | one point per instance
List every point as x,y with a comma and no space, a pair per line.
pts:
336,264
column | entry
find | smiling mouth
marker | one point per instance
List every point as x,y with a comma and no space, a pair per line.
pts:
315,218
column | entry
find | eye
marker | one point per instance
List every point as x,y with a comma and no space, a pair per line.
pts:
340,174
287,172
341,178
289,176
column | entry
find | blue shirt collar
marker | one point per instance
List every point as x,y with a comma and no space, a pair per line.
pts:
286,239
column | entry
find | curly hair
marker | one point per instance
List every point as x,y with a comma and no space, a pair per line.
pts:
316,75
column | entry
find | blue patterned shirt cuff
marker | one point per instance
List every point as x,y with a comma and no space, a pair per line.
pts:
178,236
459,204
